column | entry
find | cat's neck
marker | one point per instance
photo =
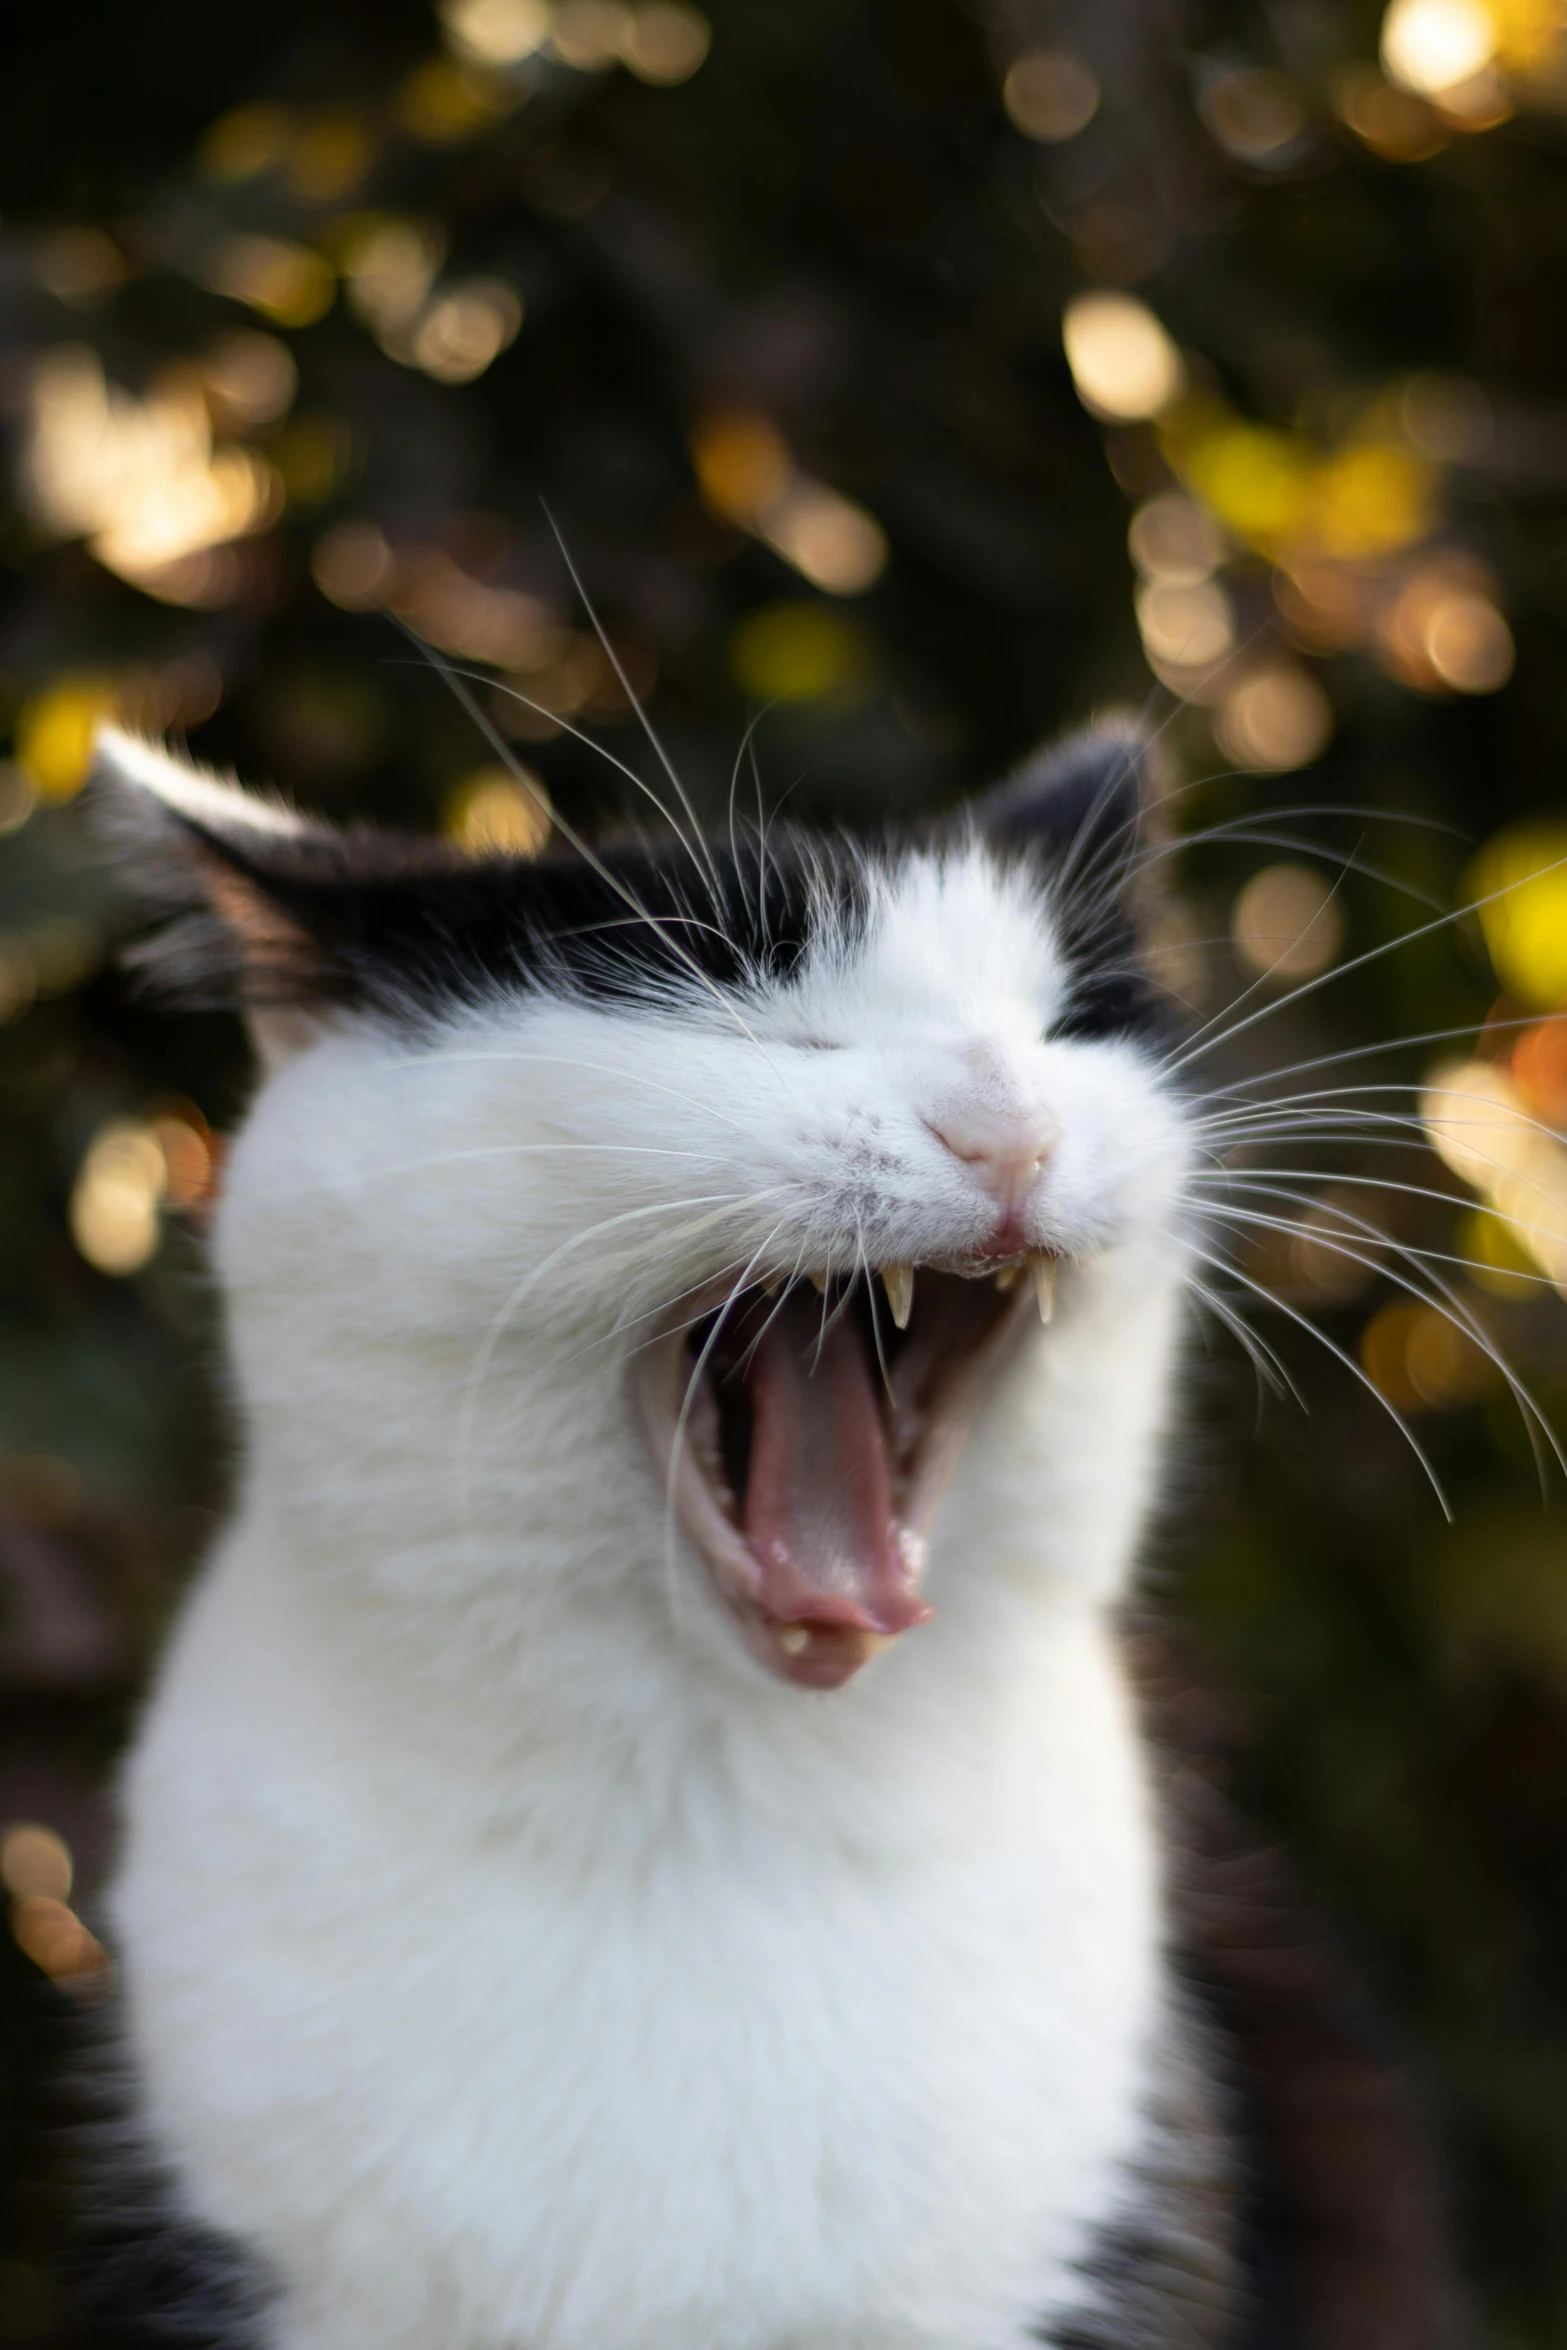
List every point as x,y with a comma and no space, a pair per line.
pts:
1006,1726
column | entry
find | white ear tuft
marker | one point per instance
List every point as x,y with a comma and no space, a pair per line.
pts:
193,793
205,858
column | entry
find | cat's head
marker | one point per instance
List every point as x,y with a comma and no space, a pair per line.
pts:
703,1199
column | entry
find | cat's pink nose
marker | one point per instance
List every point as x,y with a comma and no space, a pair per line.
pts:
1006,1149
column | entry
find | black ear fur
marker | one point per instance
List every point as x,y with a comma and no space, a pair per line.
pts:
1081,810
1081,803
261,908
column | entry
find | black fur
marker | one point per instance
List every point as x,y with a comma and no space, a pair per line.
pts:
408,926
1080,813
1082,802
141,2273
1166,2273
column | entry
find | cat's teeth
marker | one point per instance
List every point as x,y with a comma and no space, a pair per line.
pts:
771,1287
1008,1278
1043,1267
898,1281
794,1639
819,1283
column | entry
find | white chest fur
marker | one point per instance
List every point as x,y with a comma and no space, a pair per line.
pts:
735,2069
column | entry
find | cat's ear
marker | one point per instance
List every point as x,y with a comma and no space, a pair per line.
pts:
1082,803
231,872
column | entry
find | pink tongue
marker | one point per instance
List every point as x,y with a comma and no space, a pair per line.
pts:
818,1504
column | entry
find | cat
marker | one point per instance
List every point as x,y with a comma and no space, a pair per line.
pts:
643,1837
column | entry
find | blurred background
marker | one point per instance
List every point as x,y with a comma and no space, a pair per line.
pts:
922,376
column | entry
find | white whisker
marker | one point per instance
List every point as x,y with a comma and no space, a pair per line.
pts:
456,681
1391,1044
1264,1360
1304,1322
1445,1302
1358,962
635,700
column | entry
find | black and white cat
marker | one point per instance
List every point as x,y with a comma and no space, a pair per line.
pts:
641,1840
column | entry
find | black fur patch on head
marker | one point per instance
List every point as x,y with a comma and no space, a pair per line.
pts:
281,912
274,911
1079,813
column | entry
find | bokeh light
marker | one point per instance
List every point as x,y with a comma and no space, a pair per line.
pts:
748,476
497,32
1255,478
390,264
1480,1126
131,1171
353,565
799,653
80,266
1256,114
464,329
495,811
666,42
742,464
290,282
1123,363
1287,924
116,1198
1393,122
55,732
1185,626
1495,1258
35,1862
1434,46
1050,95
1519,883
1468,644
250,378
1421,1359
329,157
830,541
1175,539
589,35
37,1872
1275,719
1538,1066
1439,629
446,103
141,479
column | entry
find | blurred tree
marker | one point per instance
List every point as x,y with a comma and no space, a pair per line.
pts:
921,378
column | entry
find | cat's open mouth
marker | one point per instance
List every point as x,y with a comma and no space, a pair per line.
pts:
808,1432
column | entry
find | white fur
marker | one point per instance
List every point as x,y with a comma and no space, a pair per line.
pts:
193,791
510,1957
